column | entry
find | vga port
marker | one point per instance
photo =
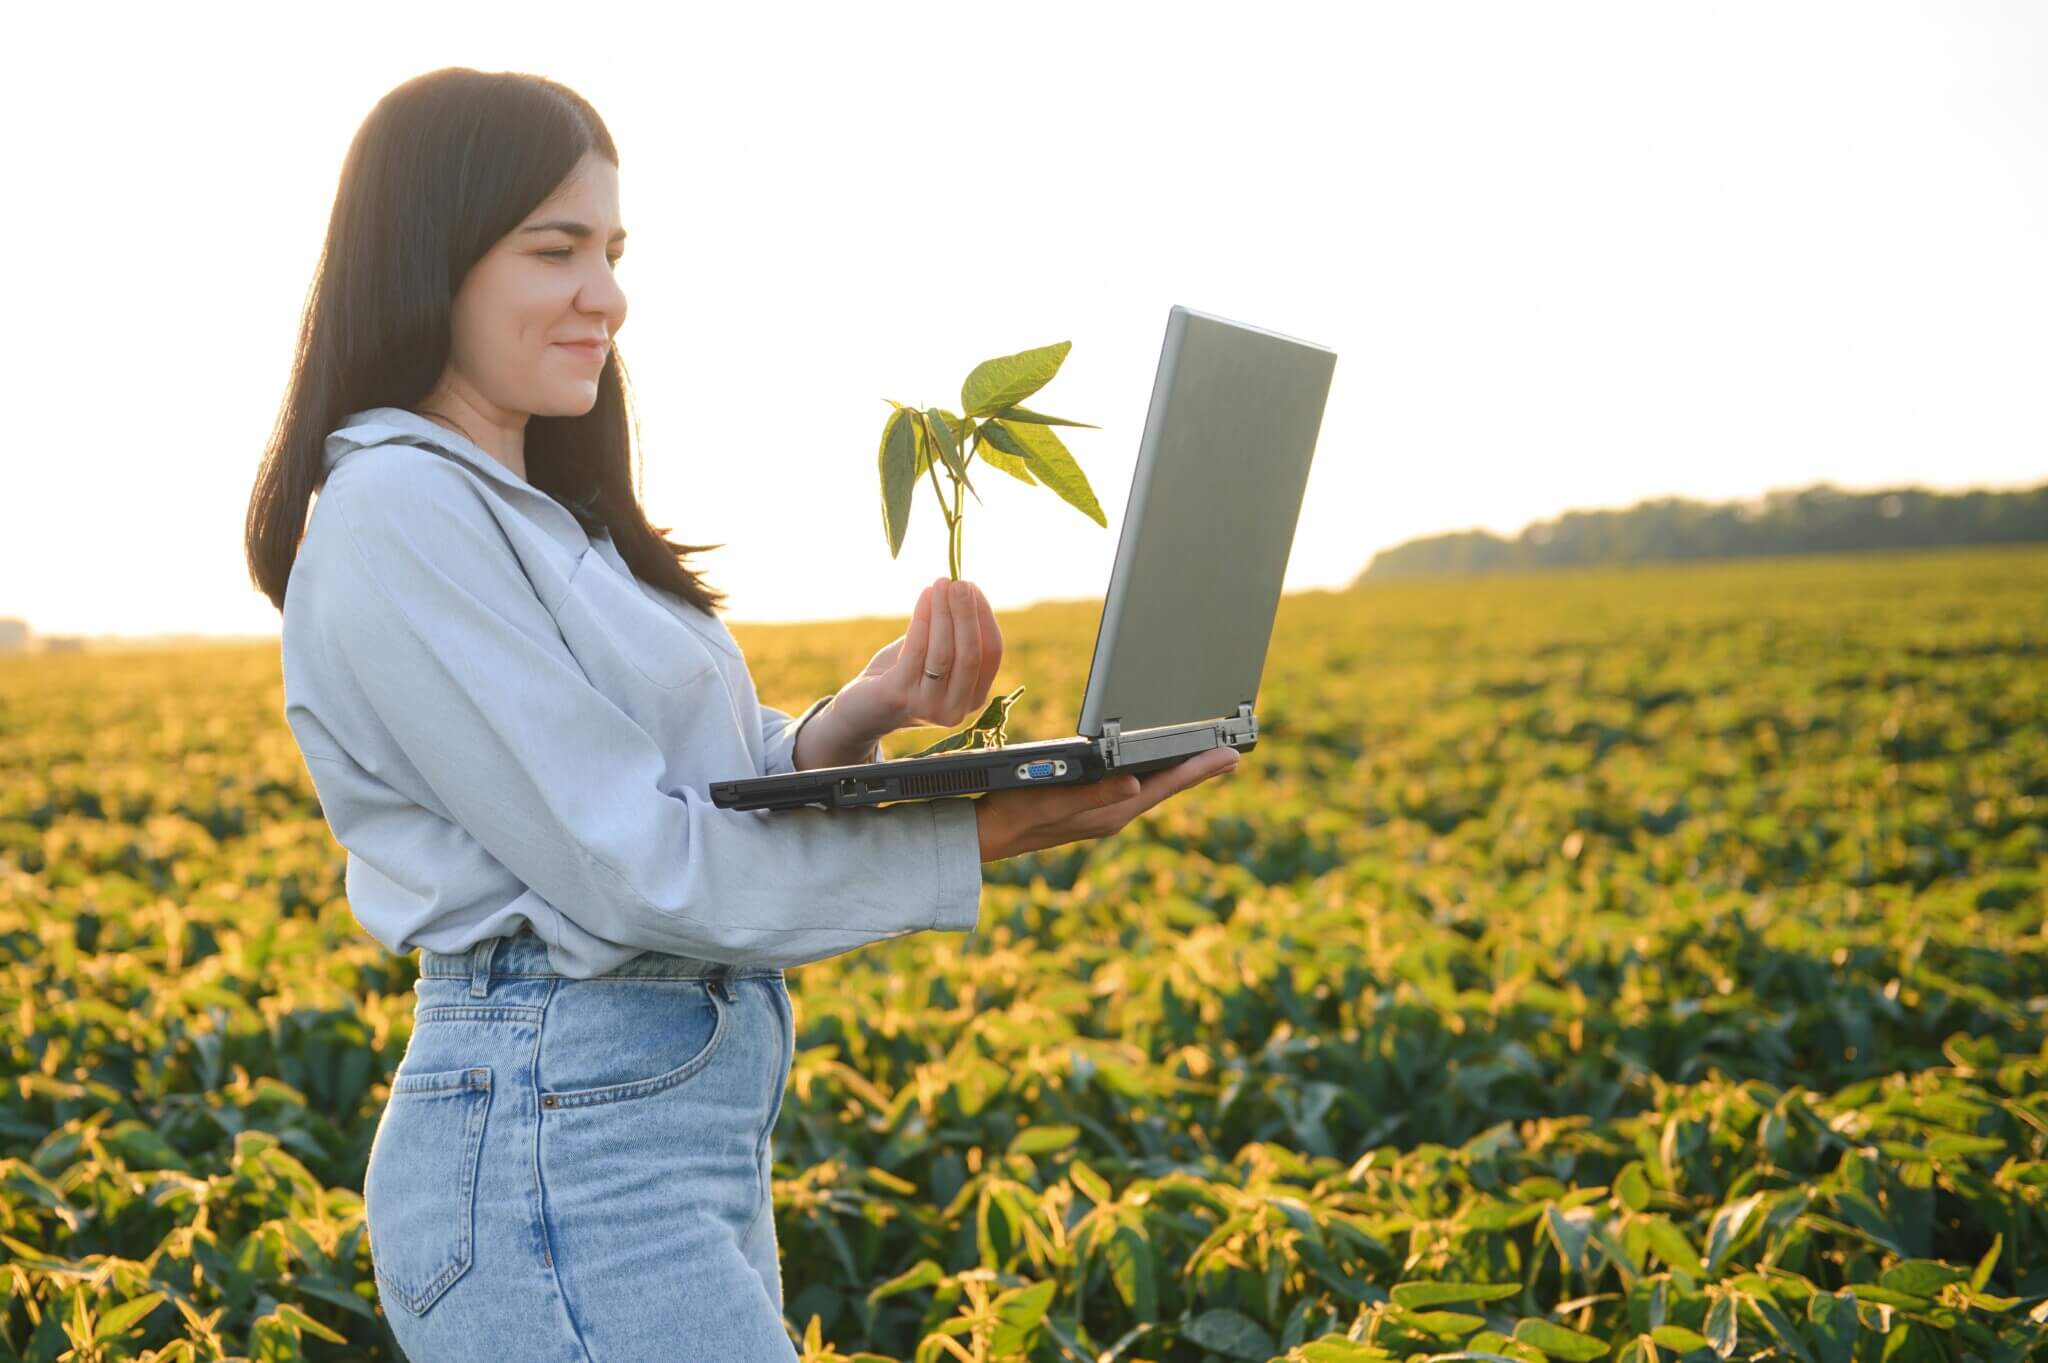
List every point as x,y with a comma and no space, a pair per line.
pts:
1042,768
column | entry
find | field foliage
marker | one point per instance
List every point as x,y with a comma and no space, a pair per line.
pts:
1634,965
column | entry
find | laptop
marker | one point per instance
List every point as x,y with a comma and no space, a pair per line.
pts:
1182,639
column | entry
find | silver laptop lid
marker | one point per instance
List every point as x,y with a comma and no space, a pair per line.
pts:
1209,524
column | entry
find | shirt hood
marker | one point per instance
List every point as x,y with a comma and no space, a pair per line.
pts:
401,426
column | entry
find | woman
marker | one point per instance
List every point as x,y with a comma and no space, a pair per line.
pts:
512,696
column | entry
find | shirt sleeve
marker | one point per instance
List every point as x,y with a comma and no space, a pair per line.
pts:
464,668
779,733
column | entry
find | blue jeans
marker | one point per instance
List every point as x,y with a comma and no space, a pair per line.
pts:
578,1170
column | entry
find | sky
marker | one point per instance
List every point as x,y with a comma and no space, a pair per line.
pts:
1569,255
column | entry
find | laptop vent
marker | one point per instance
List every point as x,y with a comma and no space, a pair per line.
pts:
945,782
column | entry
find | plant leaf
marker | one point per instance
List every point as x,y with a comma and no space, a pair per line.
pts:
1047,456
117,1320
989,730
1424,1294
922,439
1557,1340
1019,1313
1569,1231
1670,1243
1009,379
1779,1324
1921,1277
897,461
1679,1338
1129,1256
291,1315
941,434
1231,1333
1726,1231
1093,1186
1832,1325
963,427
1632,1186
1038,1139
923,1274
1982,1273
949,444
989,445
1040,418
1440,1324
1721,1324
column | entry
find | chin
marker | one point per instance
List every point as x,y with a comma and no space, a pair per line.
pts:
578,403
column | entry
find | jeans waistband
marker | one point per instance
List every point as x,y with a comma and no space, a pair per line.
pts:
525,954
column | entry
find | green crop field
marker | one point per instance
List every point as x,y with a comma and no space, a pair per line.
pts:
1635,965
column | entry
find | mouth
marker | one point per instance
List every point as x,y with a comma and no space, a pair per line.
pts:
589,350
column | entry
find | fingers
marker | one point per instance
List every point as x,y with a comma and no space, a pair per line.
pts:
1197,769
1104,805
1092,811
1063,814
991,649
1156,786
966,664
957,648
937,655
918,635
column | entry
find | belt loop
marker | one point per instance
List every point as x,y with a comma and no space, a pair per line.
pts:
721,980
480,967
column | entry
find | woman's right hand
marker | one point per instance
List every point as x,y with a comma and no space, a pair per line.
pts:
1025,820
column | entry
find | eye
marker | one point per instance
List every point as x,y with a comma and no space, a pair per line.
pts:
564,252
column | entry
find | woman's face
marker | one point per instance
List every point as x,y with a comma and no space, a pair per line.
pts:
542,289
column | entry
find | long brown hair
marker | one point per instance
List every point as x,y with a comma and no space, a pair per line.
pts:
442,168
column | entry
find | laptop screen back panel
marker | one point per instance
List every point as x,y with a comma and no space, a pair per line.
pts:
1224,460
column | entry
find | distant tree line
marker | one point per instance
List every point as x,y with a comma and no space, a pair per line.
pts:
1814,520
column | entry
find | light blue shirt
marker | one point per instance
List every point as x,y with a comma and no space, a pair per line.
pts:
505,726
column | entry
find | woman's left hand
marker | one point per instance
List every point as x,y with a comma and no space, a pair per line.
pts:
953,633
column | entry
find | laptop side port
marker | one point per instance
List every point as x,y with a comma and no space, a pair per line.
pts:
875,784
1039,770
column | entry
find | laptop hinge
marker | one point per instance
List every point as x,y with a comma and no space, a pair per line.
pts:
1112,740
1247,724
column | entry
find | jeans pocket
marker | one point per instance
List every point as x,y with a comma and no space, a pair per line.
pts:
419,1192
609,1040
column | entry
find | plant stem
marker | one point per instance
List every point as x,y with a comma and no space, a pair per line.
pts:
953,515
959,523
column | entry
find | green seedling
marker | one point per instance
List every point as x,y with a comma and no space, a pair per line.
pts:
920,441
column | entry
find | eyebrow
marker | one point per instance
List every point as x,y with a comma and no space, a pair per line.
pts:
578,230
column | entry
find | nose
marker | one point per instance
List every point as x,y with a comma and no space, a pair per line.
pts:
602,295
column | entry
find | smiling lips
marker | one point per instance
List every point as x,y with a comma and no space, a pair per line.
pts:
589,350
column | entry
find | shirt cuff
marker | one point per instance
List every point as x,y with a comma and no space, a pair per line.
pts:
873,754
959,851
805,718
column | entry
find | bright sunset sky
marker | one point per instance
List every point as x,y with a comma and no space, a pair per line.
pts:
1568,255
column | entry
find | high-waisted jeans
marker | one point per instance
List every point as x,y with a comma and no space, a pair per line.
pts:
577,1170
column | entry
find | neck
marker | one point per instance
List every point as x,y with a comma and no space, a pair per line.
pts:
501,438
